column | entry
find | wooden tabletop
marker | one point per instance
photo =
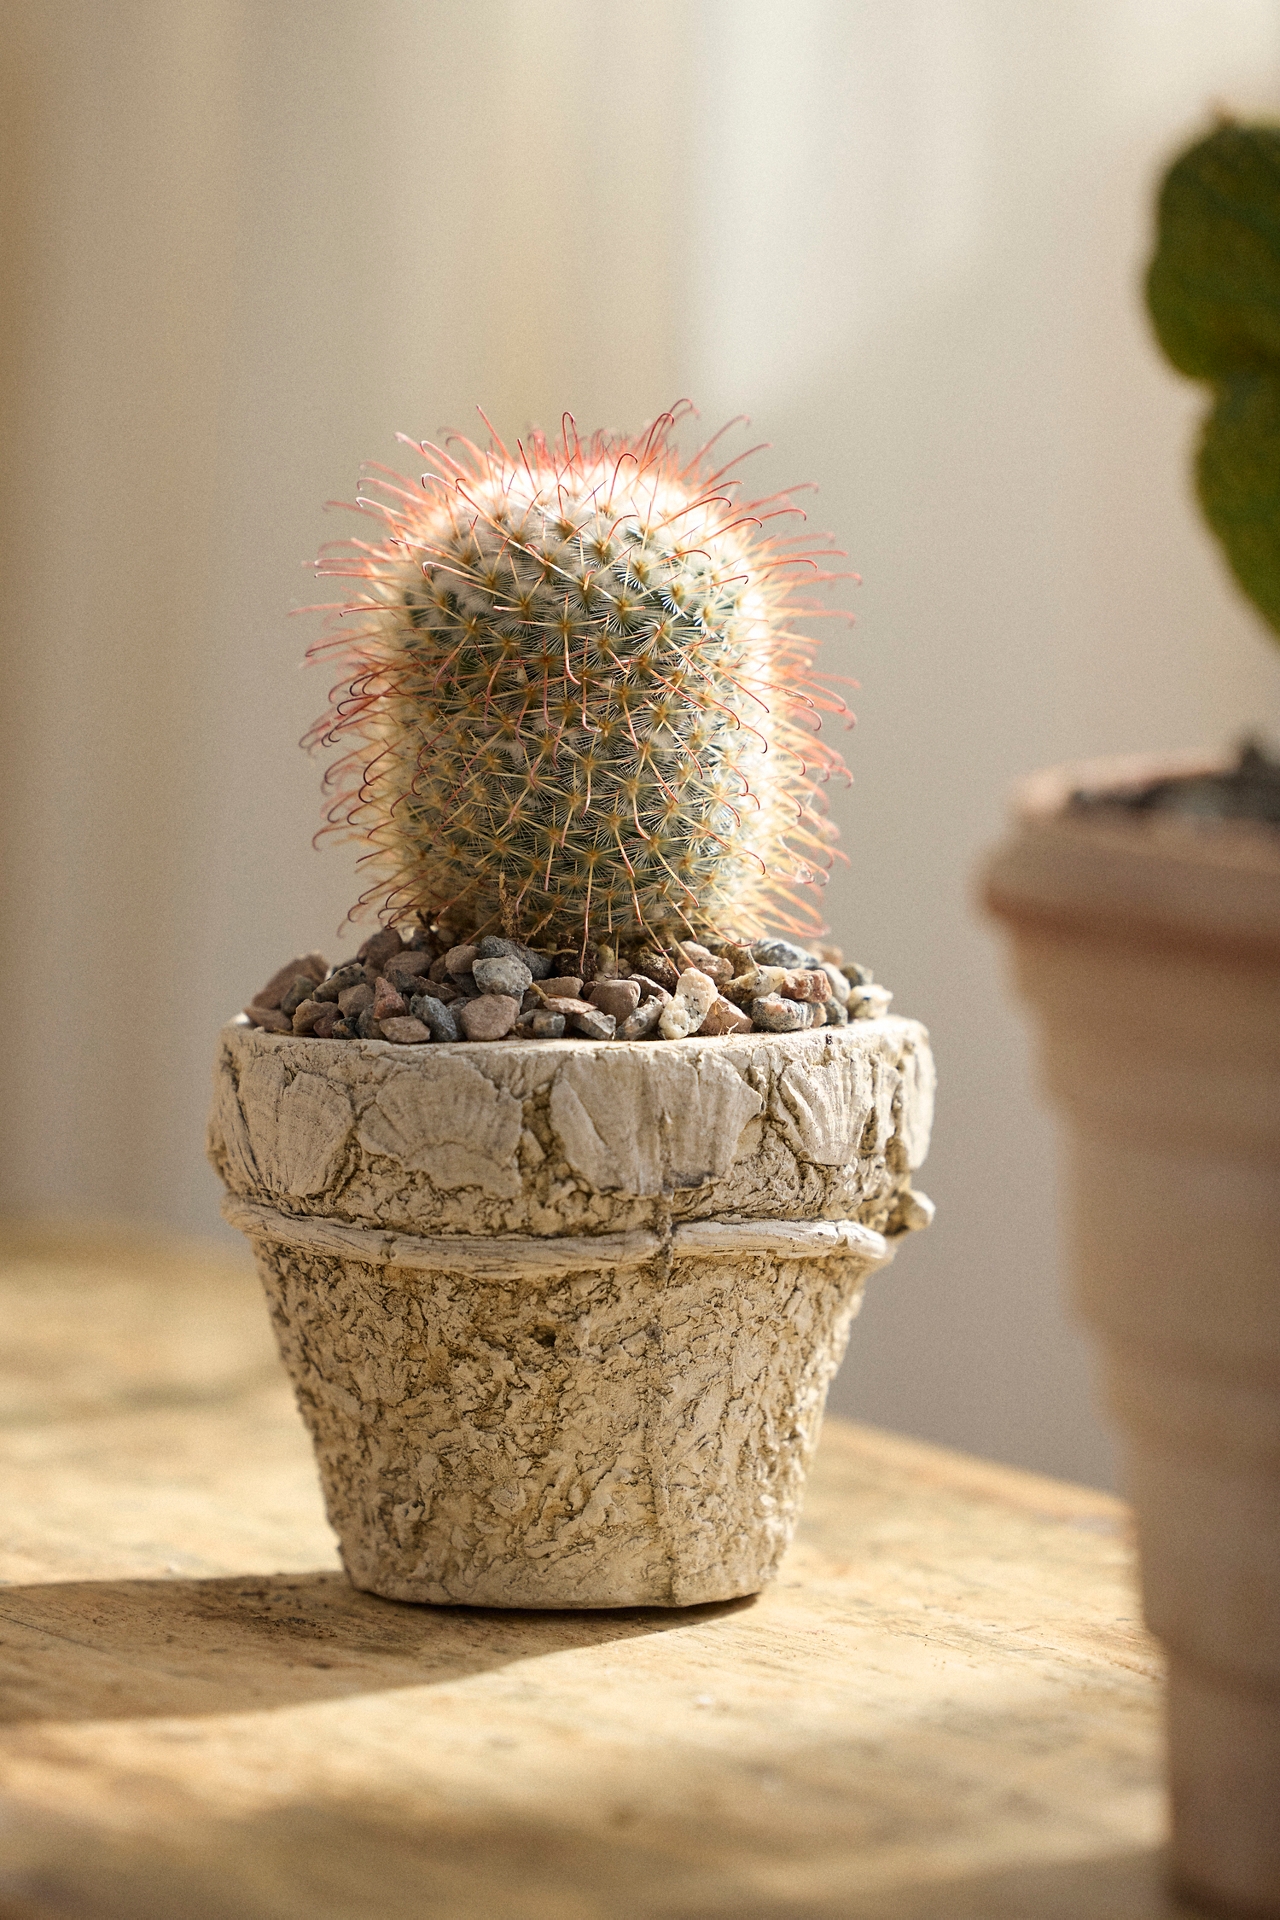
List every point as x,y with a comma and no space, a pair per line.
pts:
945,1709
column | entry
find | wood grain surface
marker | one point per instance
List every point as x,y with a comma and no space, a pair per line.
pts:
945,1709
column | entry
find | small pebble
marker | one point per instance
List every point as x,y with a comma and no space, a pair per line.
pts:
406,1031
724,1017
643,1023
688,1006
649,989
439,985
502,973
379,947
839,985
780,953
658,969
489,1016
303,987
564,986
440,1021
387,1003
339,980
270,1019
402,969
490,947
773,1014
811,983
594,1024
540,1025
618,997
705,961
278,985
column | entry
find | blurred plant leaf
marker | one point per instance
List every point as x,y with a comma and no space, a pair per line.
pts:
1213,290
1238,477
1214,284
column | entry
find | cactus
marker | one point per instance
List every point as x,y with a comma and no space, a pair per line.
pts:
572,701
1213,291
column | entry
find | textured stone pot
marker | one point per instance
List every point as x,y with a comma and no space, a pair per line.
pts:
1150,952
561,1317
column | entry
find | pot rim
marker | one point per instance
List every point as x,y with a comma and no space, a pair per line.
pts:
1142,881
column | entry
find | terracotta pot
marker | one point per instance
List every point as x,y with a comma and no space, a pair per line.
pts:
1150,950
561,1316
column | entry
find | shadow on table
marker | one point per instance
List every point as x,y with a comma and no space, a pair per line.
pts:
131,1649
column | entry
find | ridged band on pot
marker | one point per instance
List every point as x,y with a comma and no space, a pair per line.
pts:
562,1317
1151,952
623,1420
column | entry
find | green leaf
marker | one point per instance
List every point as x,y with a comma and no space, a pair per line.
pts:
1213,288
1238,476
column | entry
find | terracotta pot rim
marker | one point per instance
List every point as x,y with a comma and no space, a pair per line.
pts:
1154,882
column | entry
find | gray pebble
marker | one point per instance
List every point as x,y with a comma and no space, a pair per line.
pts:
541,1025
857,976
502,973
643,1023
368,1026
837,1014
594,1024
440,1021
303,988
459,960
492,947
349,976
783,953
839,985
773,1014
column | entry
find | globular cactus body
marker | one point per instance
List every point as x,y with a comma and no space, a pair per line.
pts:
1213,290
572,703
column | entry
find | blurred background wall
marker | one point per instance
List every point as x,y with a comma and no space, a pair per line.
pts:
245,241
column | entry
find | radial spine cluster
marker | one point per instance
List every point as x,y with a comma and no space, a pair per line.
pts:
572,700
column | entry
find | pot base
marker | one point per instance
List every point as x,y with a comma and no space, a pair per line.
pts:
618,1422
1224,1779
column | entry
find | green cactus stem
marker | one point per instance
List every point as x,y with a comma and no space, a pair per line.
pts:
1213,290
573,702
